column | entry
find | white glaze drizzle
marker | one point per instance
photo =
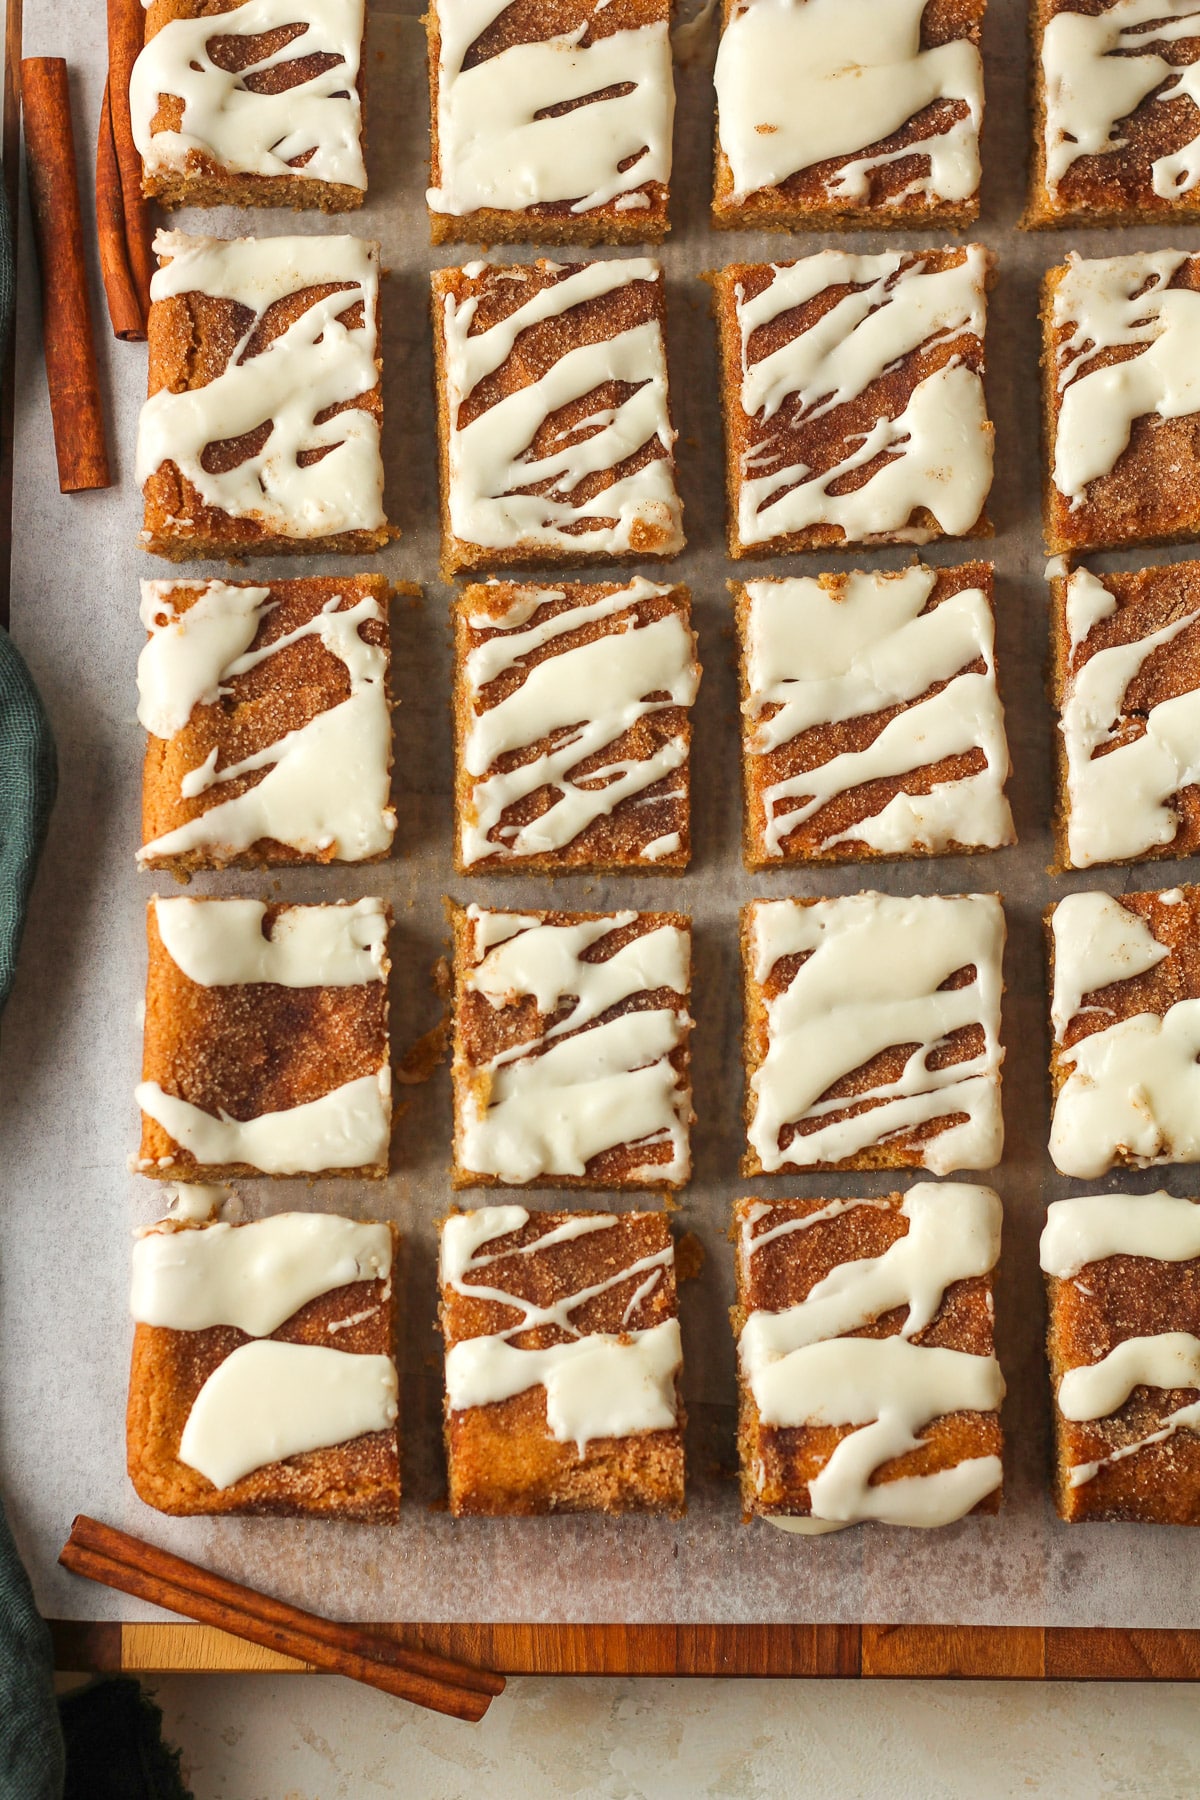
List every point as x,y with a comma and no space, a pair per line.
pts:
1096,941
599,1384
348,1128
559,1099
599,689
1169,1359
1117,802
800,82
1120,302
490,459
873,980
1099,69
1133,1090
315,364
253,1276
1096,1226
268,1401
939,447
244,132
803,1370
496,151
822,656
327,782
220,943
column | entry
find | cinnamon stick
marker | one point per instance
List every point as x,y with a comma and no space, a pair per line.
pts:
124,307
70,347
104,1554
126,31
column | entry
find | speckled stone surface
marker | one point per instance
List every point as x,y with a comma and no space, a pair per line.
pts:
295,1737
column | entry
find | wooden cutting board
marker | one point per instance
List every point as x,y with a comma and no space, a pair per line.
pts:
931,1652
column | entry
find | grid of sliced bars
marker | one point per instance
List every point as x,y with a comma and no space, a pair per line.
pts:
852,387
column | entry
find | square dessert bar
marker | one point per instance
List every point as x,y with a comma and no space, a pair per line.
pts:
261,430
848,113
1123,1288
563,1358
554,427
868,1386
268,720
1124,448
1115,135
872,1035
550,124
1125,1013
572,726
251,104
266,1040
264,1376
871,721
852,389
1127,687
570,1060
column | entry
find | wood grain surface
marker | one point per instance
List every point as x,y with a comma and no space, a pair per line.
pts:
872,1652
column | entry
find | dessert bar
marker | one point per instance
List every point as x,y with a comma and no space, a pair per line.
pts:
1123,1287
871,721
572,726
553,422
1125,1015
571,1049
264,1376
551,124
848,113
563,1358
266,1040
852,389
1127,686
1122,411
1116,138
253,104
261,430
873,1032
268,720
867,1376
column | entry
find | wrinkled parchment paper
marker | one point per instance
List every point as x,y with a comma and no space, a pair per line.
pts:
70,1052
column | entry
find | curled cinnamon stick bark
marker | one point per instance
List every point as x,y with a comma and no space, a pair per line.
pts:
125,309
70,347
126,29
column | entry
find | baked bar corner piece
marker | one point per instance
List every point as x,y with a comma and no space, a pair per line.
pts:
563,1359
571,1064
268,723
263,108
868,1385
848,113
554,426
1115,130
1127,687
1124,449
1123,1289
871,719
852,392
550,125
1125,1019
872,1032
263,1377
265,1047
572,726
261,430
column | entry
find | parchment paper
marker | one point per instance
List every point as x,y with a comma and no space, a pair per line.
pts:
71,1048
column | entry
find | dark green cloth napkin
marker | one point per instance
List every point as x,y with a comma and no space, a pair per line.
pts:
28,779
31,1746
